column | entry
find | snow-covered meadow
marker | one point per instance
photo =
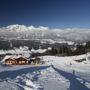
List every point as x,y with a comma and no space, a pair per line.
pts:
58,73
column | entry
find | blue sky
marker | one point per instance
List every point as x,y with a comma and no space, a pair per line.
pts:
50,13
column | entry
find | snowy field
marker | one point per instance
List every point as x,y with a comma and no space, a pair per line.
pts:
58,73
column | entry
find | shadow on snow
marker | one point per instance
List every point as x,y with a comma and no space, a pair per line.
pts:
15,73
74,83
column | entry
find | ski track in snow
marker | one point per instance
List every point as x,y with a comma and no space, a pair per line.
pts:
35,78
74,83
22,78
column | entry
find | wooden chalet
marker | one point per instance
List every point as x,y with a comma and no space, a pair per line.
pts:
22,60
19,60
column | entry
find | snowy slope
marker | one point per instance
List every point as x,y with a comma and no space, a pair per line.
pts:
59,73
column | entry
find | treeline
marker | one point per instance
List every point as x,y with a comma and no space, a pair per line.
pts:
66,50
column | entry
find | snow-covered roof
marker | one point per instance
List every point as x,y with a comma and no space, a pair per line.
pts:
11,56
38,50
49,48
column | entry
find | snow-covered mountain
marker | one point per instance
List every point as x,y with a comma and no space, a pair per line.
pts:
31,32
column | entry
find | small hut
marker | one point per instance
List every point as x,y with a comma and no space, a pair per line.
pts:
36,60
80,60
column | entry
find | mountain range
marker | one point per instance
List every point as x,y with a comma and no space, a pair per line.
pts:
34,33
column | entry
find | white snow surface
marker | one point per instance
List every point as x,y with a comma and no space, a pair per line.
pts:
23,51
38,50
19,50
58,73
